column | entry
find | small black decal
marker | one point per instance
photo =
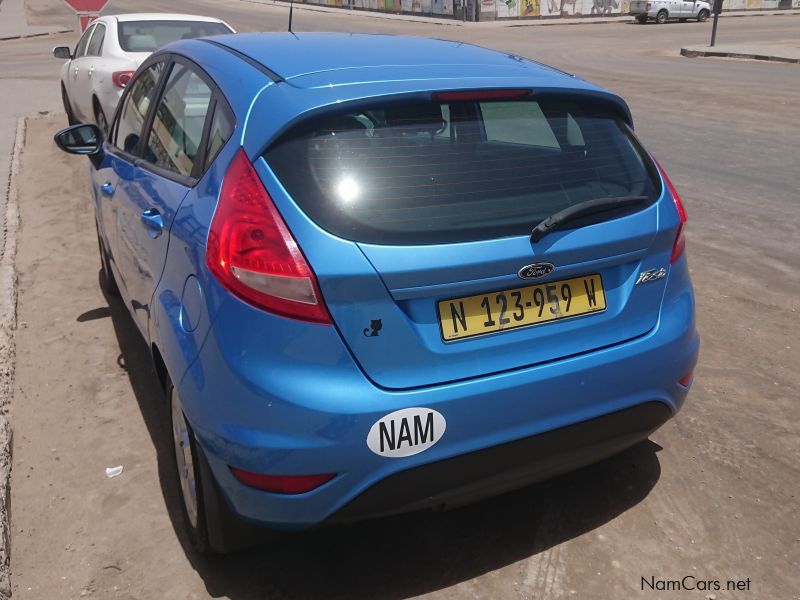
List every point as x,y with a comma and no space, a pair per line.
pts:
375,325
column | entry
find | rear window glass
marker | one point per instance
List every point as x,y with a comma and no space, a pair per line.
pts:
428,173
148,36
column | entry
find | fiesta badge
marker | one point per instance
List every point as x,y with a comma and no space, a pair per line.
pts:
536,270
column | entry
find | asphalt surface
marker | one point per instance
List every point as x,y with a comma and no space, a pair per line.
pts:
714,495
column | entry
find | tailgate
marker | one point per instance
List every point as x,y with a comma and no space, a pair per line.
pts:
432,205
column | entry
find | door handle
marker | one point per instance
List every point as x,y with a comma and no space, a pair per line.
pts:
107,189
152,220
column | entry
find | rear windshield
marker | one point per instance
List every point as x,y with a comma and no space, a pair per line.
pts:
148,36
429,173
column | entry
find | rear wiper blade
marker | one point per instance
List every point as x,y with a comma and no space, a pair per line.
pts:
582,209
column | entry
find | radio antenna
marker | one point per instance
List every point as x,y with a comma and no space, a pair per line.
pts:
291,10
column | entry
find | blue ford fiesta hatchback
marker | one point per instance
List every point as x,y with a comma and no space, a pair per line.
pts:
380,274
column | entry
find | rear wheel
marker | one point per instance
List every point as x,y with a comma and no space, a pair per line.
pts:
661,17
68,107
211,525
100,117
702,16
642,19
107,282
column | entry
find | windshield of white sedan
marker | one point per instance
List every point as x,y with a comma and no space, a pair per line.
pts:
148,36
429,173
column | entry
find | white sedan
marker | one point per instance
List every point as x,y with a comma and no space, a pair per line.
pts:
110,51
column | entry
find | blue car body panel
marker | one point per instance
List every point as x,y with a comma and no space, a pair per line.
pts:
273,395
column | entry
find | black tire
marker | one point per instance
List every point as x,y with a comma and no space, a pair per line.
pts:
662,17
213,527
100,117
107,281
68,107
642,19
702,16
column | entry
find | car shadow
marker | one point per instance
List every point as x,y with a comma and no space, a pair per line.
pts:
401,556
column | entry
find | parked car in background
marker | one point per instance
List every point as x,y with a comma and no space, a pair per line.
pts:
662,10
110,51
378,274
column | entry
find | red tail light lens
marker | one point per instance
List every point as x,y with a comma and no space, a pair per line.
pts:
281,484
686,379
680,241
121,78
252,253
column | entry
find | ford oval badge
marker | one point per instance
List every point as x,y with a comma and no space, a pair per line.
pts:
536,271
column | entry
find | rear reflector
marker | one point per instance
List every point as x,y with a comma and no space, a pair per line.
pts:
686,379
680,242
281,484
121,78
480,95
252,253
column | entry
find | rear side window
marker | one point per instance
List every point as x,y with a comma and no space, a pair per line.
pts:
178,124
148,36
135,106
95,47
428,173
220,132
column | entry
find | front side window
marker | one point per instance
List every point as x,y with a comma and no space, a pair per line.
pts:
428,173
96,45
134,110
177,130
80,49
148,36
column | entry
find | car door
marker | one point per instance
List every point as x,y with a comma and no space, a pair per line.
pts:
76,76
91,60
162,178
114,180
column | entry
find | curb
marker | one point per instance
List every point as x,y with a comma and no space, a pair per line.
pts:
33,35
692,53
8,323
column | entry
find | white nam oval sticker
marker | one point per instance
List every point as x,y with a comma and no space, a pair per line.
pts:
406,432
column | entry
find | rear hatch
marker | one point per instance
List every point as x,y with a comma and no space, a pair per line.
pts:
638,7
440,198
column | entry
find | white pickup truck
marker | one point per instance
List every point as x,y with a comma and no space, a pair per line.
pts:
661,10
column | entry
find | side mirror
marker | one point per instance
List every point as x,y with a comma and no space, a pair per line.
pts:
85,139
62,52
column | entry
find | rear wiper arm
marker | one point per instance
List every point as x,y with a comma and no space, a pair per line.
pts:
582,209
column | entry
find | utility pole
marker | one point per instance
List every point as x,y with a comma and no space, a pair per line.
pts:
717,9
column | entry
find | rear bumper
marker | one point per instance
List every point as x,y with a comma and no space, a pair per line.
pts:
271,400
477,475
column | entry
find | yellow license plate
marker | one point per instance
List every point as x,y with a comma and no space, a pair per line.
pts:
510,309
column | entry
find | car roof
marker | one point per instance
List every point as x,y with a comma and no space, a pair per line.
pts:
292,55
162,17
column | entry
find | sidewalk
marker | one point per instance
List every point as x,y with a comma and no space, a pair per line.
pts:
787,53
13,23
542,22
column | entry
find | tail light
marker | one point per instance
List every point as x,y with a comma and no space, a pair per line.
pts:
649,6
680,241
121,78
252,253
281,484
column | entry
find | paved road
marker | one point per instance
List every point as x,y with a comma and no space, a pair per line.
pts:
714,495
